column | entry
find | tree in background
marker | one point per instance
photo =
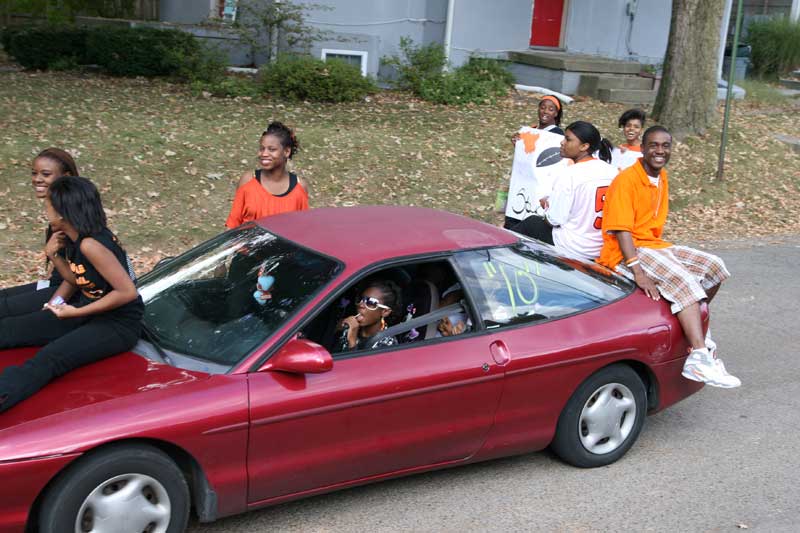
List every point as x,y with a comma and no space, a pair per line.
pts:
269,26
687,98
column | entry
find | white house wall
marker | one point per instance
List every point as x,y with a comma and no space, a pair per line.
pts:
489,29
601,27
376,26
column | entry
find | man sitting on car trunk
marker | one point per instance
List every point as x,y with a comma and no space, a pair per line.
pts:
634,215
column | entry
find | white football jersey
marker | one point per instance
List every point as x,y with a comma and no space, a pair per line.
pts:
576,207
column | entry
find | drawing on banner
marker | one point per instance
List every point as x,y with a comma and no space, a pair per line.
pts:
537,161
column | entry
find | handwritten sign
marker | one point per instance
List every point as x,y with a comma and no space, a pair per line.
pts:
537,161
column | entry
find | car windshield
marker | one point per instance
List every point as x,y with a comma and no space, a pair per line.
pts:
222,299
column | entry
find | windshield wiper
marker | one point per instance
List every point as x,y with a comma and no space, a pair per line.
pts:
151,337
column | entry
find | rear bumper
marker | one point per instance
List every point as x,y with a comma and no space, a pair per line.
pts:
673,387
23,481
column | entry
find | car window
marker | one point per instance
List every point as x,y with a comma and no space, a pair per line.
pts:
222,299
421,288
526,283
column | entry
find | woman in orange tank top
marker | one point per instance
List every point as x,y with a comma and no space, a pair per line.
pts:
271,189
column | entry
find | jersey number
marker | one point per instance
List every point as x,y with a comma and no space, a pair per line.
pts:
599,202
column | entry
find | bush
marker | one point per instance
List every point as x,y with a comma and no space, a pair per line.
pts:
776,46
307,78
123,51
418,64
421,71
38,47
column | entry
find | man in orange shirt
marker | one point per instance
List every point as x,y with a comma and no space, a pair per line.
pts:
634,215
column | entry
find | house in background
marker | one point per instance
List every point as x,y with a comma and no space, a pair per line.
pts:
592,47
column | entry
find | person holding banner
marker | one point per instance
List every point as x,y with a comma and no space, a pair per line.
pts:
636,208
574,210
632,123
536,160
549,114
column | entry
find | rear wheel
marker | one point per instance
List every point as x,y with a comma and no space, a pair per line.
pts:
602,419
135,488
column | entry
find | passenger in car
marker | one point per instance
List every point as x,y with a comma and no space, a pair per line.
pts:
376,306
103,320
270,189
48,165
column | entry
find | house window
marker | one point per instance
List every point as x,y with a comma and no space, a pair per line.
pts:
354,57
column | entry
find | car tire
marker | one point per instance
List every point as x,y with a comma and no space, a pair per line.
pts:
135,487
602,419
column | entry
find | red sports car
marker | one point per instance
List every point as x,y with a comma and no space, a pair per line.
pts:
245,391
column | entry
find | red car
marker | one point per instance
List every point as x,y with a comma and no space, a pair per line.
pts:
240,395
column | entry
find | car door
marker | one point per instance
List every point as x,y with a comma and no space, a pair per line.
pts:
376,412
557,320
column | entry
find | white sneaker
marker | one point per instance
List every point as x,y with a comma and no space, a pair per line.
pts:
700,366
710,344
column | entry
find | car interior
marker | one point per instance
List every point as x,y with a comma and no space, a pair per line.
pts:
427,288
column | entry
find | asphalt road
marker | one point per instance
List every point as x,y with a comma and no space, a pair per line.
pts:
723,460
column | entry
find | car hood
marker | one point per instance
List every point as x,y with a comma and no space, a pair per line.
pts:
112,385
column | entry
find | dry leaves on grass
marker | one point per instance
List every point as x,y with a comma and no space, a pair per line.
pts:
167,163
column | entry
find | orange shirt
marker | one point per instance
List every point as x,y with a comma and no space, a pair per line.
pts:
634,204
253,201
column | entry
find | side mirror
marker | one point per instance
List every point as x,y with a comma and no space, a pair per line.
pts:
300,356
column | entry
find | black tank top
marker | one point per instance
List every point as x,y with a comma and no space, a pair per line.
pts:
91,284
292,182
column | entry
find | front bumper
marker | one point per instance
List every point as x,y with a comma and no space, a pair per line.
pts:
22,482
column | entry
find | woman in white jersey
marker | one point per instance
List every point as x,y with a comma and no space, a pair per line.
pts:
574,210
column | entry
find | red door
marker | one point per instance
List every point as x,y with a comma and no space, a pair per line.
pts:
371,415
546,25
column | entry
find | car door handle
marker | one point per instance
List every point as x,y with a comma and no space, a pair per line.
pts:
500,353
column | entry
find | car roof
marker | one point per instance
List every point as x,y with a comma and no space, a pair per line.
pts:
369,234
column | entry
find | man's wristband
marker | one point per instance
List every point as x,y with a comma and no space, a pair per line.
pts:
632,261
632,264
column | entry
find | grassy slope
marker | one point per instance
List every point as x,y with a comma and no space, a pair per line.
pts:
167,163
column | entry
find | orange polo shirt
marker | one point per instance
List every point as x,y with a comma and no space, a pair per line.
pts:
634,204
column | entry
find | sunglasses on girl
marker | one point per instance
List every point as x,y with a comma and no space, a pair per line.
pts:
372,303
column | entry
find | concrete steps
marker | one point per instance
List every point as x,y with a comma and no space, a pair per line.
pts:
609,80
627,96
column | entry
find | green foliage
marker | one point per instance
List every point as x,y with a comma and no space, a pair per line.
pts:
259,23
226,86
421,71
63,11
417,64
37,47
307,78
124,51
776,46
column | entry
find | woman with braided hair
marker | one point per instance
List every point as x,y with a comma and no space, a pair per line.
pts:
270,189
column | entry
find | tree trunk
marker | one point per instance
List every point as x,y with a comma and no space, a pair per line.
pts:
687,98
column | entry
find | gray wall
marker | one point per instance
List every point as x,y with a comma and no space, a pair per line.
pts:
490,29
184,11
376,26
600,27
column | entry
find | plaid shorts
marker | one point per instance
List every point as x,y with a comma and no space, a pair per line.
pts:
681,274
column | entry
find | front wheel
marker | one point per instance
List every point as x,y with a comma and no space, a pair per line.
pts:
602,419
134,488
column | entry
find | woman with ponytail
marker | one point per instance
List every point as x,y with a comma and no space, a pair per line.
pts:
574,210
271,188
